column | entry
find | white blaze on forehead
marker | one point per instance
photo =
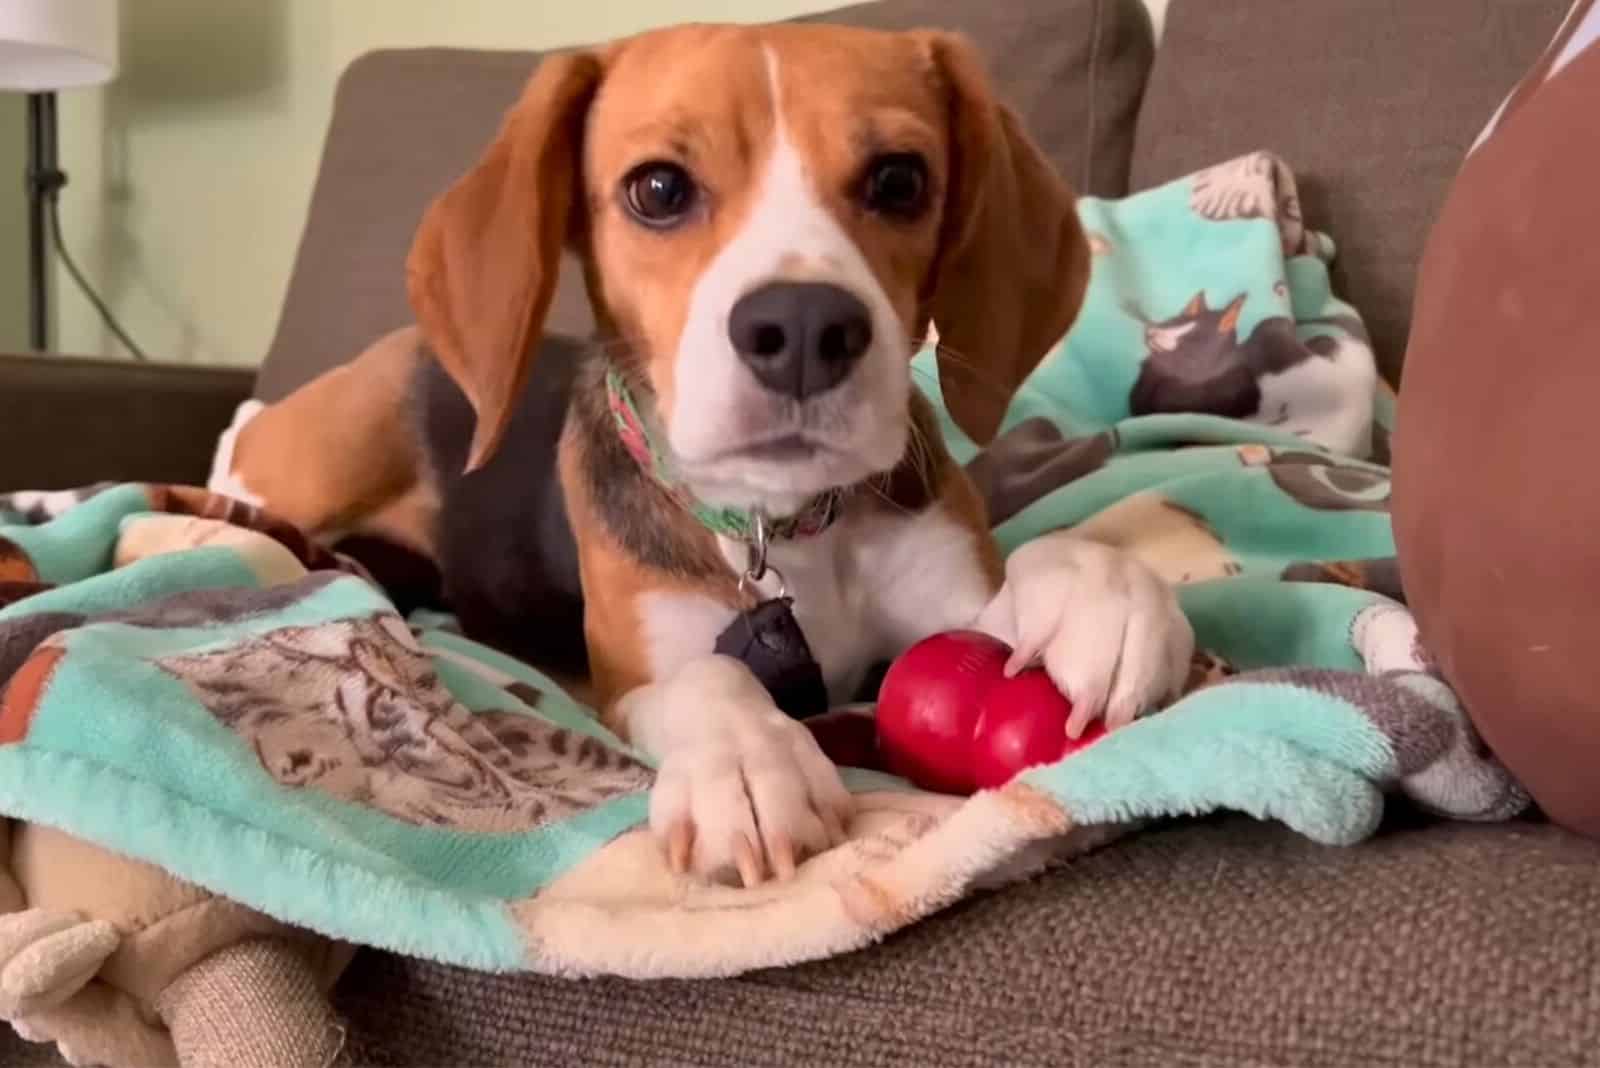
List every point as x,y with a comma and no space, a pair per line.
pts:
788,234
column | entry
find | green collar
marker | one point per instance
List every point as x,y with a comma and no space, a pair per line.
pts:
816,516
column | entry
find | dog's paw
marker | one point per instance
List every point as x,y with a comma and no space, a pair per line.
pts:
1106,627
742,790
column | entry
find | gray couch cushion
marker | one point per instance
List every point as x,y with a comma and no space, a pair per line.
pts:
1224,943
1074,70
406,123
1373,102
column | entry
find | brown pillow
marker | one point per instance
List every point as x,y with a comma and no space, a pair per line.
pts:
1496,499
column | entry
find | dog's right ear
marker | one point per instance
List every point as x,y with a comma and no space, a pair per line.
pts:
483,266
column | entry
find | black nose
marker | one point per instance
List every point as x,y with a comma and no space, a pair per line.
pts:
800,338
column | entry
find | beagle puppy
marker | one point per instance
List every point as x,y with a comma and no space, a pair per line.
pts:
772,221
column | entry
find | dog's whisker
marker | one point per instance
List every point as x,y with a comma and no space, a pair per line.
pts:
620,355
997,391
923,458
875,487
976,373
976,376
623,345
620,350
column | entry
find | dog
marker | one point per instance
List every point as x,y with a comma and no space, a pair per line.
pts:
772,220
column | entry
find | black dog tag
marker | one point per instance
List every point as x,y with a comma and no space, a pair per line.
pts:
769,641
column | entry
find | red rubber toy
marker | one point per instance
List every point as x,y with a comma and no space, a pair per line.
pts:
949,720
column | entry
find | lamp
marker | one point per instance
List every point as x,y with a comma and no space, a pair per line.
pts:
46,45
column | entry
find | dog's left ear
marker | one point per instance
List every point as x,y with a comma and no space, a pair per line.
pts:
1013,262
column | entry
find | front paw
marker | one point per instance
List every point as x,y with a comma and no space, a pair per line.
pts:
1107,629
742,788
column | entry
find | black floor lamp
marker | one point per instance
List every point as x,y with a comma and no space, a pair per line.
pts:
45,46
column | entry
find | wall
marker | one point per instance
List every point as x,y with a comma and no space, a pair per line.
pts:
13,226
190,174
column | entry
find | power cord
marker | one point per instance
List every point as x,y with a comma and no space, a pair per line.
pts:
83,283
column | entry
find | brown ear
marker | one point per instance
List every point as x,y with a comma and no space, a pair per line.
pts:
1014,262
1230,314
483,266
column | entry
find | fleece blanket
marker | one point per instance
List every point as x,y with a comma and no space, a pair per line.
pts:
190,682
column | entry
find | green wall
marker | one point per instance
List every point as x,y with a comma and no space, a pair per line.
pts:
13,227
190,174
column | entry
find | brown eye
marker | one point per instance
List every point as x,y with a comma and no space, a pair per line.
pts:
659,194
897,185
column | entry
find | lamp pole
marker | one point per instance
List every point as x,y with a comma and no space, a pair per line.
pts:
44,180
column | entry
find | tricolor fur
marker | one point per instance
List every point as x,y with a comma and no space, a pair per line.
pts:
866,190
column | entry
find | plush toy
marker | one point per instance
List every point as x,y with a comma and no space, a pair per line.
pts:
121,964
951,720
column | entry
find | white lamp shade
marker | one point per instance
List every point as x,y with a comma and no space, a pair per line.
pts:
57,44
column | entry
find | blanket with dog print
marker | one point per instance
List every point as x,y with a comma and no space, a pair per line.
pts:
189,682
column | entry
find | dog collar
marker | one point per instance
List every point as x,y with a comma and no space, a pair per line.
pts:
813,518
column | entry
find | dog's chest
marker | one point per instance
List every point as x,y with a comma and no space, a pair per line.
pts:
863,590
834,603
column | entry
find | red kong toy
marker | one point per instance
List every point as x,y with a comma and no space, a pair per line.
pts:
949,719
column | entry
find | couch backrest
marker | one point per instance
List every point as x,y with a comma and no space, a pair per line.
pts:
407,123
1372,102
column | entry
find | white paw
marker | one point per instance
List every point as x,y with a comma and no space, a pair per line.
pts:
742,789
223,479
1106,627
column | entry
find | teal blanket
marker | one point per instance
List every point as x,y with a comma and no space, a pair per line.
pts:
189,682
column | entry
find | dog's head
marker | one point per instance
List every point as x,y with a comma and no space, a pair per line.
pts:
770,218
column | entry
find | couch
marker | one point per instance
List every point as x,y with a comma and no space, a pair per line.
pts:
1215,942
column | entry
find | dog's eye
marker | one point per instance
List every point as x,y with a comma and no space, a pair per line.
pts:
897,185
659,194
